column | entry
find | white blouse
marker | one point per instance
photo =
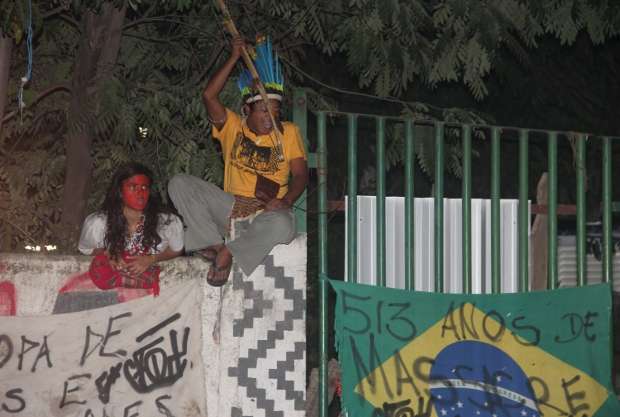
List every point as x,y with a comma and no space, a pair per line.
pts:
169,229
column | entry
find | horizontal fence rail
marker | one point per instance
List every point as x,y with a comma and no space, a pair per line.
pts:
496,134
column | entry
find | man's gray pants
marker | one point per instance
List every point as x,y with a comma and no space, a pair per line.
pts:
206,209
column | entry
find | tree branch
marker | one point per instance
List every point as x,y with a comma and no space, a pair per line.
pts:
54,12
164,20
20,230
71,20
210,64
156,40
42,95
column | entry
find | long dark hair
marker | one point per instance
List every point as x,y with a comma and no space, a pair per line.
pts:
112,207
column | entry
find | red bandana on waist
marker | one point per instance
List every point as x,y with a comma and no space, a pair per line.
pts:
105,276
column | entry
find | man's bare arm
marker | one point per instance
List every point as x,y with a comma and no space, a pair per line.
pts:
297,185
210,96
299,180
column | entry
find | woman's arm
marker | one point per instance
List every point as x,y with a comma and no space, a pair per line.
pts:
92,234
136,265
166,255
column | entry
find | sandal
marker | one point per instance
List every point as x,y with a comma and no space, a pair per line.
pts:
218,274
208,254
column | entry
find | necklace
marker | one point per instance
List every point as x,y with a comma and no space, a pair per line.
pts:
133,242
276,145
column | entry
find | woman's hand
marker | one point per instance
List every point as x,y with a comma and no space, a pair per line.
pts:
136,265
118,264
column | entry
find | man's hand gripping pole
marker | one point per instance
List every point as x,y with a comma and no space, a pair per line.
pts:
229,24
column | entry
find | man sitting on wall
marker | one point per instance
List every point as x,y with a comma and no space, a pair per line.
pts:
258,162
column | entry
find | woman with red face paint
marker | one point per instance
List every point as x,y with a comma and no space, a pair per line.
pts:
131,233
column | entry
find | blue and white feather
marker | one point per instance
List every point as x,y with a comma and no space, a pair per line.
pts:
269,71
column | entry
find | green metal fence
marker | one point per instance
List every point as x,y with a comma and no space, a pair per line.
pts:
496,133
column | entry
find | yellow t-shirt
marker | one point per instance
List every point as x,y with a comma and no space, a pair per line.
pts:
247,154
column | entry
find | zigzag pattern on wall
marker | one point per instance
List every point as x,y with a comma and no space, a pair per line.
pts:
271,358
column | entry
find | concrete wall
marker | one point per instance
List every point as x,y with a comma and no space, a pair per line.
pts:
254,339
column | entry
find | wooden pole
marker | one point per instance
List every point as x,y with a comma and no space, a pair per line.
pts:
229,24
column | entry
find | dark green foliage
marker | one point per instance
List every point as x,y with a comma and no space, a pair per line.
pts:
150,109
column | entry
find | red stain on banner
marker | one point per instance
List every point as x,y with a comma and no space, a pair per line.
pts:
83,283
8,304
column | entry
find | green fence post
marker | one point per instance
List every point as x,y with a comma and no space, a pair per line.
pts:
352,199
607,219
524,213
381,201
466,209
581,210
552,209
438,227
300,118
409,207
322,197
495,212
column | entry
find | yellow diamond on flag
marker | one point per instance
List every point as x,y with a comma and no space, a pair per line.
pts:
470,364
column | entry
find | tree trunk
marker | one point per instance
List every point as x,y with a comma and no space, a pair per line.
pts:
6,44
96,57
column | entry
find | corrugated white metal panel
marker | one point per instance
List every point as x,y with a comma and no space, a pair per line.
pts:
424,243
567,265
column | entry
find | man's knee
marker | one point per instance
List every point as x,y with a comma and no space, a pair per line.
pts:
280,224
178,182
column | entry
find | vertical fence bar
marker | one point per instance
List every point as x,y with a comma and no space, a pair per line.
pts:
495,211
581,210
438,227
322,197
524,215
409,207
380,201
466,209
607,226
552,209
352,199
300,118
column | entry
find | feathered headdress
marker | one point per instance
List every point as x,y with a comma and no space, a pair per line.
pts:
269,72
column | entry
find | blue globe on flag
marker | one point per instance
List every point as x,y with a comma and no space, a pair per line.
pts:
475,379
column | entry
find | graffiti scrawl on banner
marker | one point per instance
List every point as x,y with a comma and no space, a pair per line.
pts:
141,358
410,354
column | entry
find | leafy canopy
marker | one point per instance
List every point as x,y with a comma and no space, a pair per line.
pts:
151,108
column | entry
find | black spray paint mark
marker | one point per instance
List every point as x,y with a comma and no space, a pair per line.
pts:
6,349
578,325
13,394
462,325
572,397
150,367
103,340
161,407
157,327
27,346
403,409
66,390
129,407
105,381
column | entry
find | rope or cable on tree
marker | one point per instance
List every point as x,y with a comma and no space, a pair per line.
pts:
388,99
20,99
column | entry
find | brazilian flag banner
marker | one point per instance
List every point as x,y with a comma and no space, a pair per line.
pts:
413,354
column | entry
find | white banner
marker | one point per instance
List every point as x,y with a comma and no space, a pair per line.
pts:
136,359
